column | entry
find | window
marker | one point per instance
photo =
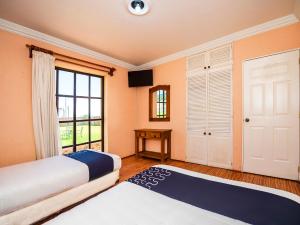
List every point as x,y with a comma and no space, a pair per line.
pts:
159,103
80,101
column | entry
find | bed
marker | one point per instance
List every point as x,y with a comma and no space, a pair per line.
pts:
168,195
34,190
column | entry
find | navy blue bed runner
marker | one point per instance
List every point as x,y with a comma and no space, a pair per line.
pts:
244,204
99,164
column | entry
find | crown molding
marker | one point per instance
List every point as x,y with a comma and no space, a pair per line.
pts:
33,34
273,24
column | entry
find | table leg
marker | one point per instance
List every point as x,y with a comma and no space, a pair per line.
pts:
137,143
143,144
169,147
162,147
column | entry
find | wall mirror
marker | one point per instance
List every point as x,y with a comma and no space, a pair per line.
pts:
159,103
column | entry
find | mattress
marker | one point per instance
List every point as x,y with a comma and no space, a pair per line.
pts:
27,183
49,206
131,204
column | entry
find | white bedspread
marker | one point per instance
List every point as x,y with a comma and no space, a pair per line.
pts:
130,204
27,183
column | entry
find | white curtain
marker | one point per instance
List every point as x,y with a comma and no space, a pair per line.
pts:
45,120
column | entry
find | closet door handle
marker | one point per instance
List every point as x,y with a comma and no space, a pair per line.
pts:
204,133
208,67
209,133
205,67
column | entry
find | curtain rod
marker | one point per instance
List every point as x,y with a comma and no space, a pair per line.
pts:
69,59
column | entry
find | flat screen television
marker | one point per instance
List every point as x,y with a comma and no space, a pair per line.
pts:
140,78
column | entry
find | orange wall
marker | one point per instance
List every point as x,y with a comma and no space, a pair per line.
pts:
126,108
174,73
16,131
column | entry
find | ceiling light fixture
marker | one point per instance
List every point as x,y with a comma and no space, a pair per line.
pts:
138,7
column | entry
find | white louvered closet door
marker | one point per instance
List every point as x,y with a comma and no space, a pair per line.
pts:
220,57
197,117
209,108
219,113
197,62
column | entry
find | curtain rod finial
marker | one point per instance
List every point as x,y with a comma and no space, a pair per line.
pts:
30,48
111,71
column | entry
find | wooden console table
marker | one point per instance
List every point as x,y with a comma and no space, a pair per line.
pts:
160,134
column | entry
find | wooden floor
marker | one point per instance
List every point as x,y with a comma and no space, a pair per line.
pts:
131,165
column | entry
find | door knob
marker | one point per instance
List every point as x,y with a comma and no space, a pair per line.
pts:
204,133
209,133
247,120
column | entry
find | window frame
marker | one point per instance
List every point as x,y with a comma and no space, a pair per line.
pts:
74,97
165,103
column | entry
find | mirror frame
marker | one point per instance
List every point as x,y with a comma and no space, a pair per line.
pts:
151,91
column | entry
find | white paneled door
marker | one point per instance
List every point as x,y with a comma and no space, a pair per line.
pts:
271,115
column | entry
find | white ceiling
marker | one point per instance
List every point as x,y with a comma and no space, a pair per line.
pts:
107,27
